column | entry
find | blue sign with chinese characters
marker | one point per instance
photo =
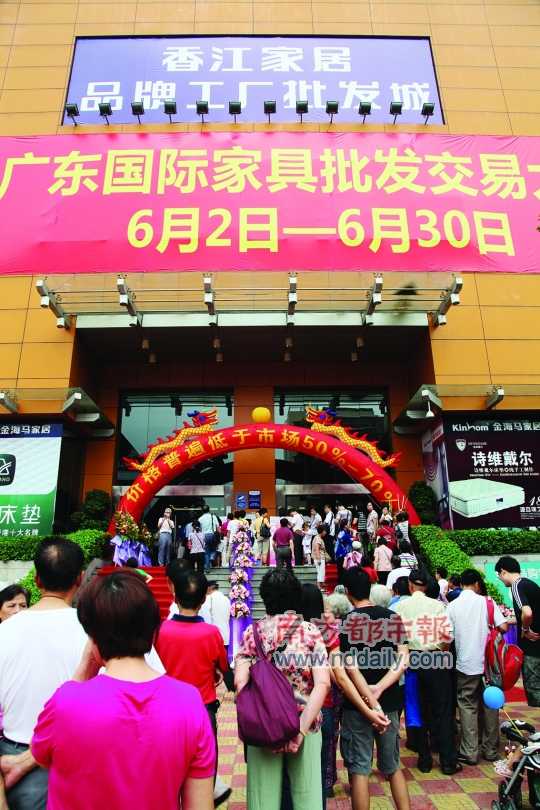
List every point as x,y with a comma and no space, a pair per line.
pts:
151,70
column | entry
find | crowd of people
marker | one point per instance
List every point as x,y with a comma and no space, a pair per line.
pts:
106,706
338,535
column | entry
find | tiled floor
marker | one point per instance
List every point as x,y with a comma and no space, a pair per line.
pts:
470,789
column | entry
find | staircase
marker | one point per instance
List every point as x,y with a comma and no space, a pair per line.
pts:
160,588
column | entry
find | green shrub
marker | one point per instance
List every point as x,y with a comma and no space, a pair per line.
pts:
95,512
24,548
29,583
439,550
424,501
496,541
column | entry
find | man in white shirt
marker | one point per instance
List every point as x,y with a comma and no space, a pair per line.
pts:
40,649
343,514
296,522
469,618
372,523
209,525
329,523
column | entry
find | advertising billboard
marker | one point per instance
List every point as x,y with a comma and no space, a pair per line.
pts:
485,472
151,70
29,459
210,201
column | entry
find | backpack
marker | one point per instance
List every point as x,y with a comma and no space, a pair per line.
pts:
502,666
266,708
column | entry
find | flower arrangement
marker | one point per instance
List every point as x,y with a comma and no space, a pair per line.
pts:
239,592
239,575
126,526
239,610
242,559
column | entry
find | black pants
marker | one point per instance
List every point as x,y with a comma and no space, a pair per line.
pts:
298,549
339,563
329,542
212,709
197,561
436,701
284,557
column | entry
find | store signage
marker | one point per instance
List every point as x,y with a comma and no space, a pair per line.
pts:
485,472
29,459
378,70
269,201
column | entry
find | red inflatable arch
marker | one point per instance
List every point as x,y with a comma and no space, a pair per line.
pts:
256,436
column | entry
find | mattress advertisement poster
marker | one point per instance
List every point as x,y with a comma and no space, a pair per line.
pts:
29,460
485,472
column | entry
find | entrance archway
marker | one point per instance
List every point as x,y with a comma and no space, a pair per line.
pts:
164,468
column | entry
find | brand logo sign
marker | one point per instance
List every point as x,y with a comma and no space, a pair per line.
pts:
7,469
461,444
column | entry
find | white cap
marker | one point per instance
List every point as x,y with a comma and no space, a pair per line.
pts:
356,545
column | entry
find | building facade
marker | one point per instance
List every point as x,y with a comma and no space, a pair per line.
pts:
383,375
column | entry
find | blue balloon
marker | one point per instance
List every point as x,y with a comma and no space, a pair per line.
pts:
494,697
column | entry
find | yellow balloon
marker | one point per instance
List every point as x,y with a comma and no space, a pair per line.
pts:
261,414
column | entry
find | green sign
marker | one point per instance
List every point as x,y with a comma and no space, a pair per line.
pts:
29,459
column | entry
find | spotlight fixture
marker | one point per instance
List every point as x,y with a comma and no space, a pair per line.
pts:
364,109
219,357
302,109
495,396
137,108
427,397
169,108
289,342
202,109
354,357
8,403
52,301
235,108
145,345
216,343
292,298
396,108
270,109
72,111
428,109
105,111
332,108
450,298
359,342
152,358
287,357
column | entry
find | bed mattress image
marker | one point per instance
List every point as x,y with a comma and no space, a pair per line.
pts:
481,496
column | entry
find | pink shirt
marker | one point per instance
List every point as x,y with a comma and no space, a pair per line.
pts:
115,744
383,558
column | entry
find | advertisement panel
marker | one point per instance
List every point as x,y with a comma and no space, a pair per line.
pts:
485,472
29,459
269,201
378,70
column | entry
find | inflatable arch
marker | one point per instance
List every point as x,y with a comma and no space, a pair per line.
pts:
160,468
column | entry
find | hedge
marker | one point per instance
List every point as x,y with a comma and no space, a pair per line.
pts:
495,541
24,548
439,550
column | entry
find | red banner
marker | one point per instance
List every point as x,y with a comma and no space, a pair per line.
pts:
269,201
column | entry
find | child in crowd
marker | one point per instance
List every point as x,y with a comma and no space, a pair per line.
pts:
441,577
